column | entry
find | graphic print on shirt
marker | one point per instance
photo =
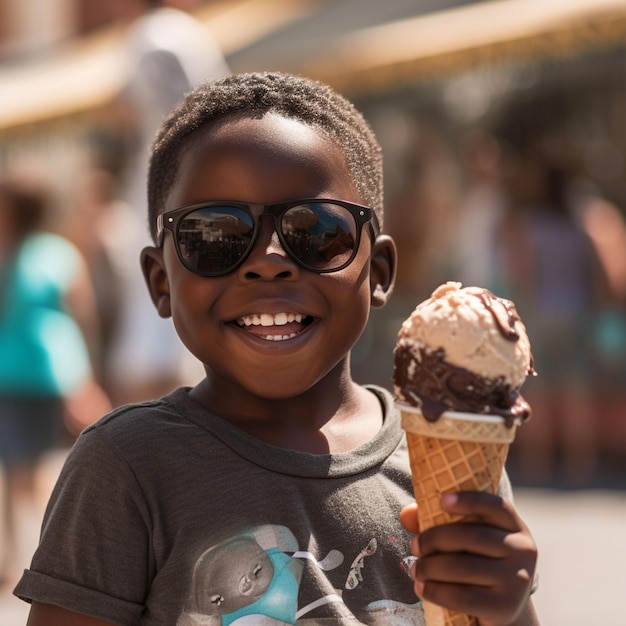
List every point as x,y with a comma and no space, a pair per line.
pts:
255,576
355,576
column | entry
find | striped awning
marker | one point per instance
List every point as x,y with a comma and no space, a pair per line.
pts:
486,33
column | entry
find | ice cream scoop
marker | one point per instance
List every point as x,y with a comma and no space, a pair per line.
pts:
463,349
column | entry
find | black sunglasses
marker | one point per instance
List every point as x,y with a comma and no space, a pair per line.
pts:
214,238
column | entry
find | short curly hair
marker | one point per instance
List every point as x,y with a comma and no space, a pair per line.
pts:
253,95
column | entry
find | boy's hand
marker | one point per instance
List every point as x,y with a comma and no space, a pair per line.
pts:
484,567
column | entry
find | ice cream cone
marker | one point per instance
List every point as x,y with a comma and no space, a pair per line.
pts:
458,452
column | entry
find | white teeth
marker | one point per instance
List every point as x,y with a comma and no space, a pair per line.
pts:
267,319
279,337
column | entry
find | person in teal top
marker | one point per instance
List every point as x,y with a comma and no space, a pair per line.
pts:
43,349
45,361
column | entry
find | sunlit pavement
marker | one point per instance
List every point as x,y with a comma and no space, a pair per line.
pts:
581,536
582,555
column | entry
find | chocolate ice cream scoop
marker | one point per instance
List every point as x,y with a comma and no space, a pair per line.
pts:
463,349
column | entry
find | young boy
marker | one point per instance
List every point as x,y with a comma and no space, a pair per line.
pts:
271,492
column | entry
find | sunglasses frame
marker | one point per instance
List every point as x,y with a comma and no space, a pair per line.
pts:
169,220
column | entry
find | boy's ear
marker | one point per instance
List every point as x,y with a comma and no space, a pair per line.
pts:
382,269
155,275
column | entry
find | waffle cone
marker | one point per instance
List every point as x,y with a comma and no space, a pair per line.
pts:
458,452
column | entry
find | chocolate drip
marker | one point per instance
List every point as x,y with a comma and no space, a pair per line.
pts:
436,386
504,314
506,318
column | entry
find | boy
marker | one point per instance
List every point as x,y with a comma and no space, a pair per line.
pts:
271,492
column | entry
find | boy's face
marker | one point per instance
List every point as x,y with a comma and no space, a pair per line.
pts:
266,160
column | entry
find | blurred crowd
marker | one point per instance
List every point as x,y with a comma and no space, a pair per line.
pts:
79,335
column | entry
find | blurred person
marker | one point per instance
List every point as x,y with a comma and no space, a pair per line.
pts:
47,327
169,52
606,227
475,234
558,282
604,223
101,228
421,212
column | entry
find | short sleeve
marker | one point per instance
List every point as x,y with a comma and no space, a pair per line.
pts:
94,555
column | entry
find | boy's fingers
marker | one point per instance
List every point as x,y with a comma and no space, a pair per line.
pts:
465,537
408,518
472,569
469,599
490,509
473,584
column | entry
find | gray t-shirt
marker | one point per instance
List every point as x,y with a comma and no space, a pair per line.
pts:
165,514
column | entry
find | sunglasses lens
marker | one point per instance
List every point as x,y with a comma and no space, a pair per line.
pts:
212,240
321,235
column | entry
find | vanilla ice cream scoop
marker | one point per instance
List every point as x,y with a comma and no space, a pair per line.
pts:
463,349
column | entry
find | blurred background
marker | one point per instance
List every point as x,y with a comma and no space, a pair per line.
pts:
504,137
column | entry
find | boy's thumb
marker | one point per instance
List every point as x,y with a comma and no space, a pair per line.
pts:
408,518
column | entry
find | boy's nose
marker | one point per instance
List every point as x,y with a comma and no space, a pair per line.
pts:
268,259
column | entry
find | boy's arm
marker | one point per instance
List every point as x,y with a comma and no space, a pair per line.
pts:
50,615
485,567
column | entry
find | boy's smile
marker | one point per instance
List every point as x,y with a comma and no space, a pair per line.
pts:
274,327
270,328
